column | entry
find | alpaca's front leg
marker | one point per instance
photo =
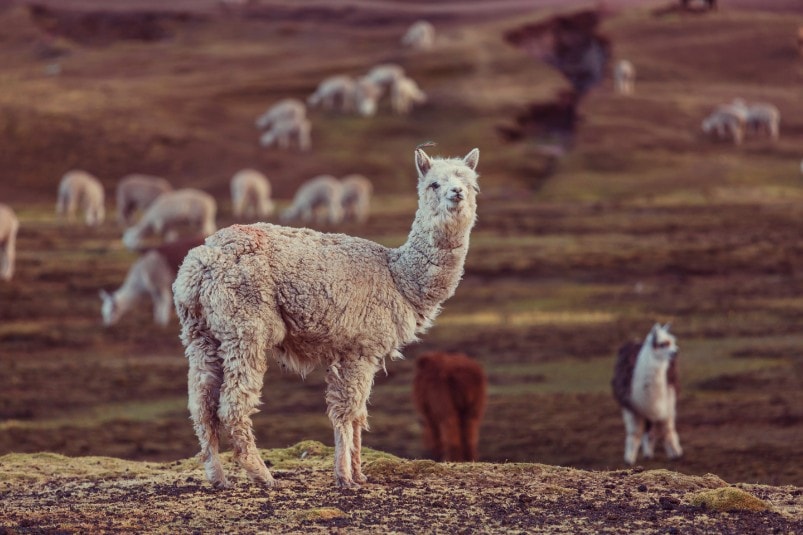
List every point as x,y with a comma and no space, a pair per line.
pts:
634,429
672,441
356,453
344,444
650,438
348,387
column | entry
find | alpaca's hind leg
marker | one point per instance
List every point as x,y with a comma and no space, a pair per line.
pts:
634,429
348,387
672,441
204,379
432,437
244,366
651,435
470,430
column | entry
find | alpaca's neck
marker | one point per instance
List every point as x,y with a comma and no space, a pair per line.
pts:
650,385
428,267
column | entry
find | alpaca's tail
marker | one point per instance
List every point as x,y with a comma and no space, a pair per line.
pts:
187,291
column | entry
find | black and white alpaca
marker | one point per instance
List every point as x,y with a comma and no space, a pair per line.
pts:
645,383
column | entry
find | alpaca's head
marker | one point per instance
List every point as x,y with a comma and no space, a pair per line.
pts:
109,310
662,344
447,188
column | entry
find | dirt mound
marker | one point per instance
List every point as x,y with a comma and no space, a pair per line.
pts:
51,492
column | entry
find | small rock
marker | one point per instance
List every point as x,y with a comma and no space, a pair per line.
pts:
642,488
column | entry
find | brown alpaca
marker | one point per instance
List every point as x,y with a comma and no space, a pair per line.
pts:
449,392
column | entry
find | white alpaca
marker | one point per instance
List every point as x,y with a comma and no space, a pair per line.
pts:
385,75
250,194
366,96
334,93
355,198
181,207
624,77
318,199
284,133
724,124
311,299
136,192
420,36
80,189
645,384
288,109
152,274
9,225
404,94
763,117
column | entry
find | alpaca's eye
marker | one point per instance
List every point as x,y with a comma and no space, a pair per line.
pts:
664,344
434,185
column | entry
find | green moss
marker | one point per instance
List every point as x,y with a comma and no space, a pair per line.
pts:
727,499
385,468
318,514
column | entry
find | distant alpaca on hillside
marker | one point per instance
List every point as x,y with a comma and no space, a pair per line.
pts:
137,192
309,299
318,199
250,194
355,197
624,77
449,392
9,225
152,274
420,36
645,383
171,210
80,189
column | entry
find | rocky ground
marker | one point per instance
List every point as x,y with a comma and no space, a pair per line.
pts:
43,493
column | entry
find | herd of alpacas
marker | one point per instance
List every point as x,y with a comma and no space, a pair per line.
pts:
308,299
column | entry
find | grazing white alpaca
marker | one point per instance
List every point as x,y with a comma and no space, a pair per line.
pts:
385,75
624,77
420,36
288,109
285,132
309,299
80,189
334,93
317,199
763,117
366,96
645,384
355,198
404,93
152,274
136,192
9,225
723,124
250,194
186,206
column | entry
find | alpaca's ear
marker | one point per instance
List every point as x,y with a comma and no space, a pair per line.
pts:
472,159
422,162
104,295
667,325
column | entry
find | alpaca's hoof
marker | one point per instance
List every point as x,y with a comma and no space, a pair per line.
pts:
347,483
221,484
360,478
